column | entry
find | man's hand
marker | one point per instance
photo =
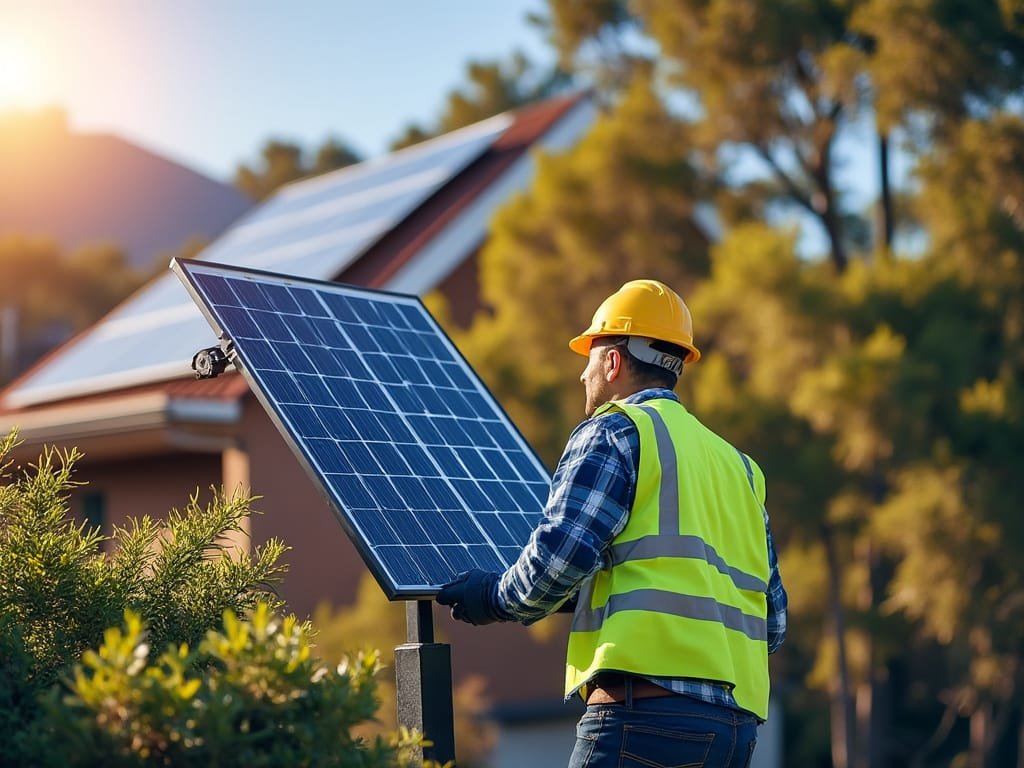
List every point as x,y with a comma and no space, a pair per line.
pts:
471,597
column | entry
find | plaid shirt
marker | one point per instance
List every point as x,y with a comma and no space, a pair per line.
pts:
591,496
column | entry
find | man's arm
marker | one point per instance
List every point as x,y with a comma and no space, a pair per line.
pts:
591,495
778,601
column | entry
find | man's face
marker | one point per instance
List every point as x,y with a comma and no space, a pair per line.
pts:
595,378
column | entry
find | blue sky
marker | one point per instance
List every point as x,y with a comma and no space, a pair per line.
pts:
206,82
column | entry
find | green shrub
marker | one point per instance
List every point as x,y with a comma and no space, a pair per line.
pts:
183,681
59,591
250,695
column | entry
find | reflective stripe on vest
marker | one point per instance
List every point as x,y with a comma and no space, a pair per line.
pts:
638,599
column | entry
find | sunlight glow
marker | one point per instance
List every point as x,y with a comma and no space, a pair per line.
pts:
20,79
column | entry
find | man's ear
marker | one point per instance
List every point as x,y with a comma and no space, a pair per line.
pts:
613,364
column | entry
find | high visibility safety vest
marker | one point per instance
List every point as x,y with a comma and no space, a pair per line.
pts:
685,592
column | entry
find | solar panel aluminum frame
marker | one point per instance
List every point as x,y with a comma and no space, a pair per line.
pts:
185,269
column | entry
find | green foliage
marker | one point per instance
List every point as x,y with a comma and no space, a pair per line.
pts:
372,621
59,591
884,397
251,694
282,162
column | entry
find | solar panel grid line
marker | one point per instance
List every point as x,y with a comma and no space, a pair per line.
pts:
422,466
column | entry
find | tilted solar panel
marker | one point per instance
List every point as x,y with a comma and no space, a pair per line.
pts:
423,468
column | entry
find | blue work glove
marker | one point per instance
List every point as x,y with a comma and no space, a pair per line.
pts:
471,596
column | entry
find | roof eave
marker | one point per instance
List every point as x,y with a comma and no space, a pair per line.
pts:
146,421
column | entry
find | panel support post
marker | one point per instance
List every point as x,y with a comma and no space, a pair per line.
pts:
423,674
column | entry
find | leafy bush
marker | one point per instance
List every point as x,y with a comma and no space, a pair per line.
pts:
250,695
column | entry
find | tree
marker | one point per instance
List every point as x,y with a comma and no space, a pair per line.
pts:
782,83
46,295
282,162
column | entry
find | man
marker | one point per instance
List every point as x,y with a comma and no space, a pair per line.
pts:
657,527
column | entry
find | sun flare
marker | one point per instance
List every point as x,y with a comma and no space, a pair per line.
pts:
19,75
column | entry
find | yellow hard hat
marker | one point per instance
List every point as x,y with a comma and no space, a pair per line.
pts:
642,308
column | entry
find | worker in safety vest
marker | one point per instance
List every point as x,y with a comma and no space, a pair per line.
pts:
656,530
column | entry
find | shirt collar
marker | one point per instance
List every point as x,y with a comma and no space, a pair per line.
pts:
651,394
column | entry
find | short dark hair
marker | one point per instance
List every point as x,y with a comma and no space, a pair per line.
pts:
646,373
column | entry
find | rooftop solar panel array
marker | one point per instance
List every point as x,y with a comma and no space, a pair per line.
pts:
423,468
312,228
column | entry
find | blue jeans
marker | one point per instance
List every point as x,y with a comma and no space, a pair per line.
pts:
664,732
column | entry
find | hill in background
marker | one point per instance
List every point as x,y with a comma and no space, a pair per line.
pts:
82,188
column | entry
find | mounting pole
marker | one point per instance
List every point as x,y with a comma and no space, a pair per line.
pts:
423,675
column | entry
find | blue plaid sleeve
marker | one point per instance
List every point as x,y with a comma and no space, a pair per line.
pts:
778,601
589,503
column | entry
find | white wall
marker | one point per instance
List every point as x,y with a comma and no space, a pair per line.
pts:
545,744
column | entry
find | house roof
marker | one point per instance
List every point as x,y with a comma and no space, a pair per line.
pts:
402,222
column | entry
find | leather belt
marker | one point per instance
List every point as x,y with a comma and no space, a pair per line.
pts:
612,689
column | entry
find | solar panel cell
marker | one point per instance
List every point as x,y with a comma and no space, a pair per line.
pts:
375,527
360,337
464,526
366,424
387,497
458,559
219,291
399,564
240,323
449,462
496,530
353,365
313,388
422,425
524,498
375,396
294,357
420,463
472,496
250,294
351,492
430,562
309,302
389,458
280,299
304,421
395,428
382,369
338,424
340,307
475,464
495,491
450,430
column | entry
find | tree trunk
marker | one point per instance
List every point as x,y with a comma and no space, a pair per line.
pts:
886,225
1020,738
842,718
872,695
980,728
